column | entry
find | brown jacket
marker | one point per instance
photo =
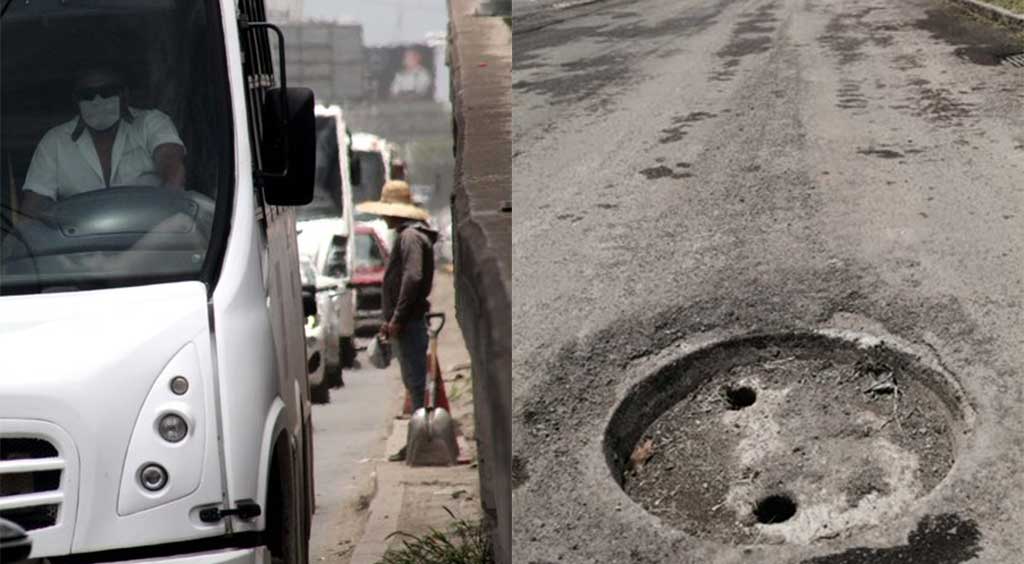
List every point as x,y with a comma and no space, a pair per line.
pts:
410,274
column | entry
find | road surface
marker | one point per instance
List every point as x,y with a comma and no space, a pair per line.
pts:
730,167
349,438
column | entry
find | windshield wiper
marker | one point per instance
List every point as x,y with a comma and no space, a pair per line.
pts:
4,9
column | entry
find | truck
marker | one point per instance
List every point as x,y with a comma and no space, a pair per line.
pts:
326,236
154,401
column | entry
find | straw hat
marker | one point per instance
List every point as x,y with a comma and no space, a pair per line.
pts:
395,201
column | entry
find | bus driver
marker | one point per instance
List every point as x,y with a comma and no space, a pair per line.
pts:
107,144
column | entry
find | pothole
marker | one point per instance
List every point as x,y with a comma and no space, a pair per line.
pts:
738,398
774,509
794,438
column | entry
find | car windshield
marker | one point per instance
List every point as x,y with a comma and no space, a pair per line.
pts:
367,253
371,179
327,188
115,143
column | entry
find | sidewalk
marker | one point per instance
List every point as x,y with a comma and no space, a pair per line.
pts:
413,500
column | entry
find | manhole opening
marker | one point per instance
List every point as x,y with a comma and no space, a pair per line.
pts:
862,428
740,397
774,509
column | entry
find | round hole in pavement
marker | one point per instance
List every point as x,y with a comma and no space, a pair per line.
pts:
774,509
856,429
740,397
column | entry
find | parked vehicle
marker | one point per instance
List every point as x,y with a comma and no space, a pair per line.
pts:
371,261
154,395
328,252
319,389
326,236
374,157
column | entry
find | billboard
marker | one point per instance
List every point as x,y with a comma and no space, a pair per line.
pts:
402,72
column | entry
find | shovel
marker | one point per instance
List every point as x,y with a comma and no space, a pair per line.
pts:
431,439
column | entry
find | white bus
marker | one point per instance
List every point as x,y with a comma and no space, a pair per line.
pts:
153,392
326,236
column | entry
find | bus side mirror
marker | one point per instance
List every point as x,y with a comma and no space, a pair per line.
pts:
289,147
15,544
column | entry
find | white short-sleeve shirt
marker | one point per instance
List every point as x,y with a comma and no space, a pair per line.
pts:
65,164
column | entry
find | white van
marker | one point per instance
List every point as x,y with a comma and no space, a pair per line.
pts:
326,237
153,392
373,163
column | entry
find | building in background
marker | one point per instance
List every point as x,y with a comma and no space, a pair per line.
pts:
397,91
279,11
328,57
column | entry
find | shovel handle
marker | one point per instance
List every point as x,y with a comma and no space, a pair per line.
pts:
430,317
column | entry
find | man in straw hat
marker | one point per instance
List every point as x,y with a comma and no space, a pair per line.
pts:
407,282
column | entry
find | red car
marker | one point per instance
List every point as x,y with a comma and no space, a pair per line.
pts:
368,277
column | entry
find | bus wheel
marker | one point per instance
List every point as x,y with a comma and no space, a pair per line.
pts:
285,534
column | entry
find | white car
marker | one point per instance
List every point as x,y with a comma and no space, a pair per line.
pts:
319,391
327,247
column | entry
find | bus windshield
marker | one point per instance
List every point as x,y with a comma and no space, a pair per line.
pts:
327,186
116,155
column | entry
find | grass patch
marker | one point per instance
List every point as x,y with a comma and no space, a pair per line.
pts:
1015,6
464,542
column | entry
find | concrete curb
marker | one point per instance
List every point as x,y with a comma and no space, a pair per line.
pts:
388,500
385,507
996,13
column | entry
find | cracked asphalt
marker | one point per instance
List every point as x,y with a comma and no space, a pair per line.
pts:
687,172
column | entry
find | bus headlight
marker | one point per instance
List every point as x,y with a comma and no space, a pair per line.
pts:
172,428
153,477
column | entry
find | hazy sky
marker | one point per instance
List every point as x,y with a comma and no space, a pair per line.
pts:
385,21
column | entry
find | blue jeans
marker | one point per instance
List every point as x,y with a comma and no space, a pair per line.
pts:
411,351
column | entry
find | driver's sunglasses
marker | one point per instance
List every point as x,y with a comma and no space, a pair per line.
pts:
103,91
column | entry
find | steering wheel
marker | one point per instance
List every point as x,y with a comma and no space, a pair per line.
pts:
125,228
118,219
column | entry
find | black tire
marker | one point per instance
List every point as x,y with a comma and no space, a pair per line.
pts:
320,394
332,376
286,522
348,352
309,474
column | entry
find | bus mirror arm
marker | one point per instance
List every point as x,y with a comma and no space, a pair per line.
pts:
244,25
288,144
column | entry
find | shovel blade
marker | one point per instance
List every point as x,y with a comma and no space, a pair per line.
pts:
431,440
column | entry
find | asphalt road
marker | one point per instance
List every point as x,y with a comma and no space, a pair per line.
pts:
349,436
690,170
